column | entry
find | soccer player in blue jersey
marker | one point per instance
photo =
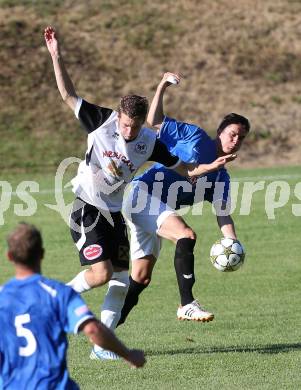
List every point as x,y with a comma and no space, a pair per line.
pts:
36,313
166,191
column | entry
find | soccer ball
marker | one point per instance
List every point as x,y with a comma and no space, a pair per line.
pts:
227,254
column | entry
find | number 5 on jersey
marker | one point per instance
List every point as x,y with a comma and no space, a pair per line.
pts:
31,346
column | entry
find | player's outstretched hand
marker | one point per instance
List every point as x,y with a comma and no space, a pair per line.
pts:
136,358
221,161
170,78
51,40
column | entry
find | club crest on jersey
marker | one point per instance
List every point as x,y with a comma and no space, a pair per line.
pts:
141,148
92,252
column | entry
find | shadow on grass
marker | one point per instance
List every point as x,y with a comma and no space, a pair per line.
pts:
270,348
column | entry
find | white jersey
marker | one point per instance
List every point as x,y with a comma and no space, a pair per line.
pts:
110,162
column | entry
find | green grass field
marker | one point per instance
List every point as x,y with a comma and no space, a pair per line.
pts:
254,341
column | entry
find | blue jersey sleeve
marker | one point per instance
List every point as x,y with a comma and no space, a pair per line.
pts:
1,365
77,312
187,141
172,131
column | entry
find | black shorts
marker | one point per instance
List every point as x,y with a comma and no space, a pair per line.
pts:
95,236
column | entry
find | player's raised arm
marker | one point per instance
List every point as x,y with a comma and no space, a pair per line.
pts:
63,80
192,170
100,335
156,113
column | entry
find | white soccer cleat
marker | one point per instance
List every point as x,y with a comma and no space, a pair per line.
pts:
194,312
103,354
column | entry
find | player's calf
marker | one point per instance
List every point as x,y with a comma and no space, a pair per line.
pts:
184,266
131,300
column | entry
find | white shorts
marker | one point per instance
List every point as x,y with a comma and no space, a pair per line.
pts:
144,224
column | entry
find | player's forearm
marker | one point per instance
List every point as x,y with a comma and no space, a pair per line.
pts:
63,81
192,170
156,114
198,170
226,225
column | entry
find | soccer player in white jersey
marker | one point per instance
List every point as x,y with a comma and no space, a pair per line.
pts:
148,226
118,146
36,313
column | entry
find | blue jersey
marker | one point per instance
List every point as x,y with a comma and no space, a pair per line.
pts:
192,145
35,315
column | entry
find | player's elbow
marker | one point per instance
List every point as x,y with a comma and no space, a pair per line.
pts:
150,120
69,99
154,121
187,169
66,96
91,328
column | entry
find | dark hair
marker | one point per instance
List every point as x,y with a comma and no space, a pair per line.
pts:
236,119
134,106
25,244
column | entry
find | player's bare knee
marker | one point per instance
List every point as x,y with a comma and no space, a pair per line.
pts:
142,269
142,276
143,279
102,278
188,233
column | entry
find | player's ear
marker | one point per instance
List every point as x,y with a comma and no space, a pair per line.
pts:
9,256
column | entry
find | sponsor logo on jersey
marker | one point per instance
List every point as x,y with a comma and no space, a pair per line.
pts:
121,157
114,169
141,148
92,252
81,310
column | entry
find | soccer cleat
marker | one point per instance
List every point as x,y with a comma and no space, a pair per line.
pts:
194,312
103,354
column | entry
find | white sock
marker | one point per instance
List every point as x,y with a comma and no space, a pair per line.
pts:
79,283
114,300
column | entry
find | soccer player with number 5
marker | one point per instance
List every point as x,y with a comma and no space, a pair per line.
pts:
36,313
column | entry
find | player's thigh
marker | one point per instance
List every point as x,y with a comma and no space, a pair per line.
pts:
143,244
92,234
174,228
148,217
